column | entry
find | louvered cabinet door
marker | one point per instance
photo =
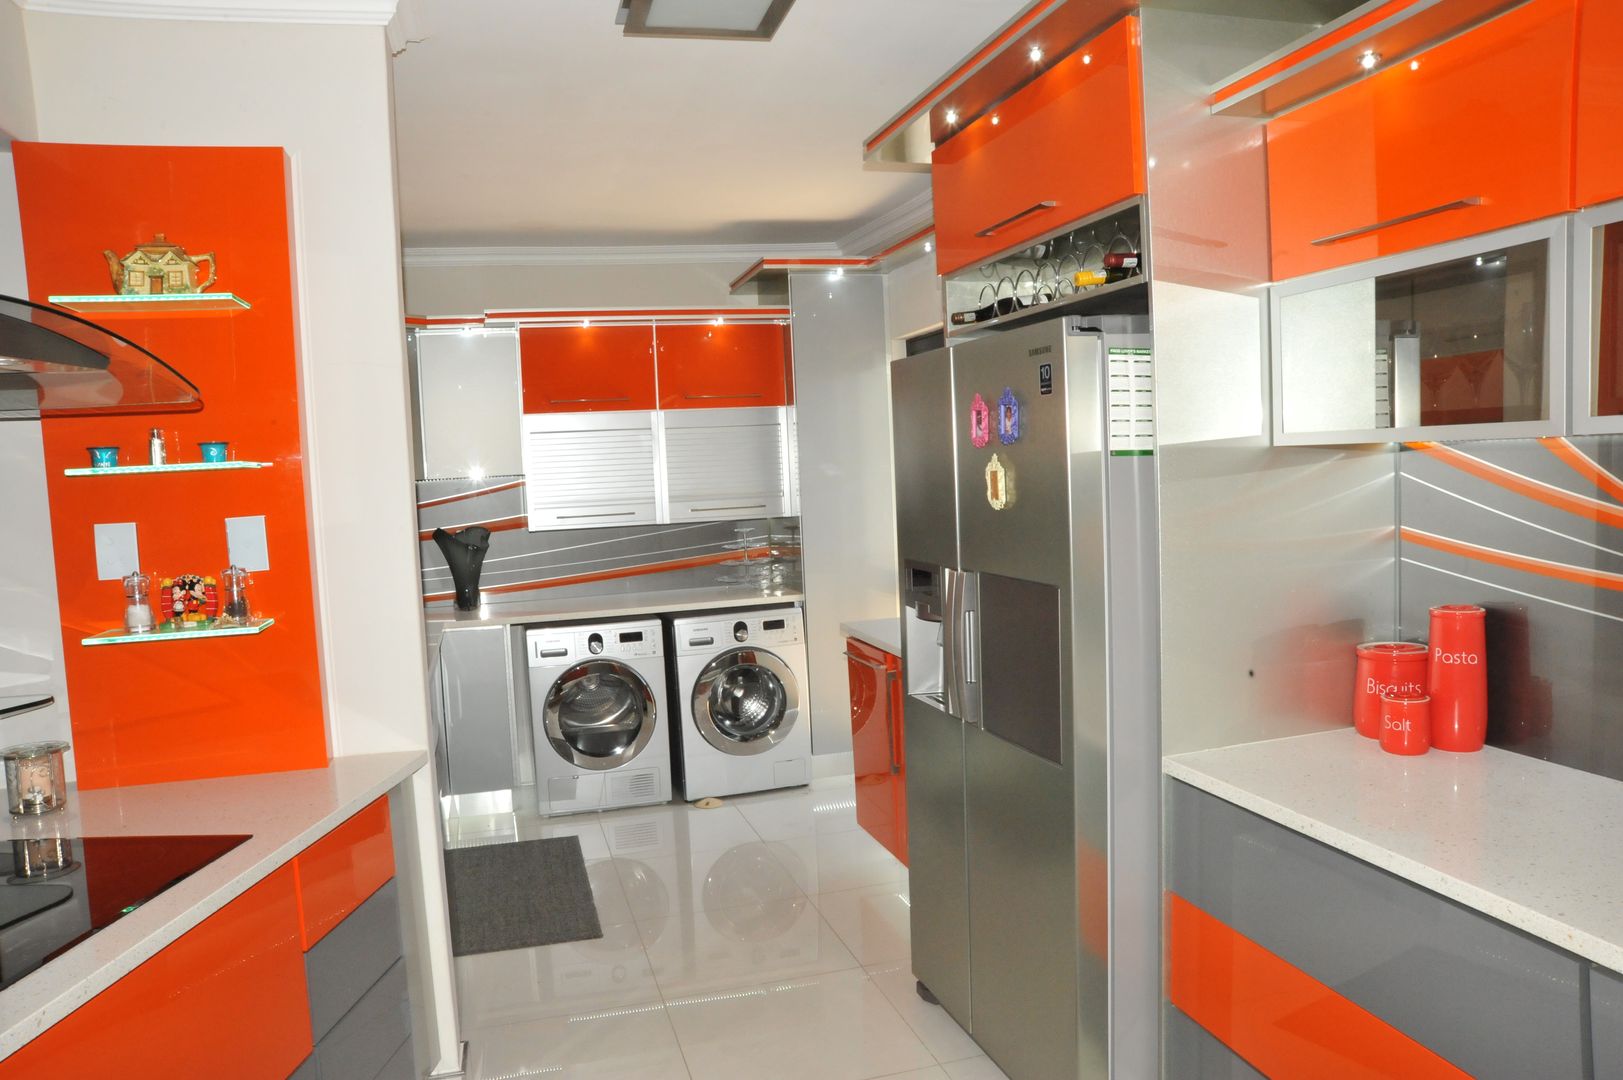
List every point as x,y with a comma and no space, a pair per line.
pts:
722,464
586,470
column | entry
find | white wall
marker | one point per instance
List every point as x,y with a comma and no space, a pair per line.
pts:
433,289
847,506
912,301
16,89
322,93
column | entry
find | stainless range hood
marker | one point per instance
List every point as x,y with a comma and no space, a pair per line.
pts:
55,363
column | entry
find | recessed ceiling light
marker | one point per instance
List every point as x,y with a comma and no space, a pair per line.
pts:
836,273
728,20
928,247
1036,54
1087,58
952,116
996,120
1414,65
1369,59
586,322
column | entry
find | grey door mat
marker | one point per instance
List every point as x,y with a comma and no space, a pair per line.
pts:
518,896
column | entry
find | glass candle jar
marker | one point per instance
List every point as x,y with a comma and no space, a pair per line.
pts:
38,857
35,780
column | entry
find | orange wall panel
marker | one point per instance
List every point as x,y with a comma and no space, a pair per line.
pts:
1486,115
1287,1024
1074,137
226,999
1599,163
182,710
600,368
338,872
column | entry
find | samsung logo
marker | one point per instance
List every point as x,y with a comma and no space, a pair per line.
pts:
1040,351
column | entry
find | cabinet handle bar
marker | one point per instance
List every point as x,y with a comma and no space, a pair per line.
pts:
1457,204
1034,208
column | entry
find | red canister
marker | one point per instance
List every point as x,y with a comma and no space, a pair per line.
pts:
1405,723
1385,667
1457,678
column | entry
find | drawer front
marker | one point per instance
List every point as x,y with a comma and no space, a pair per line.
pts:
1062,147
1477,137
351,958
337,873
225,999
1490,1000
1599,159
364,1042
602,368
709,366
1606,1021
869,677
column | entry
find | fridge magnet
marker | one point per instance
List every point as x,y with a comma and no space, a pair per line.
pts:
998,495
1008,417
980,422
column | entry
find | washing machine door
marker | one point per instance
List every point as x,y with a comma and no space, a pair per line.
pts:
745,701
599,714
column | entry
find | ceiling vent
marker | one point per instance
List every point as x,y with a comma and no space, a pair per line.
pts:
725,20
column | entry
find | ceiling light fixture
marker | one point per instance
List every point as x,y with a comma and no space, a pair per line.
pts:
1414,65
952,116
586,322
1036,54
836,273
1087,58
722,20
1369,59
928,247
996,120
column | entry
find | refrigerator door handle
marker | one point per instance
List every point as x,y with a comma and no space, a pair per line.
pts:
967,629
951,621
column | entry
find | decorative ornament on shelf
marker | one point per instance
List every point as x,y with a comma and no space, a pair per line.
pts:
189,598
157,267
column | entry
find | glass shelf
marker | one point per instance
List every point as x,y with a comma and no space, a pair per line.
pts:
179,466
124,637
159,304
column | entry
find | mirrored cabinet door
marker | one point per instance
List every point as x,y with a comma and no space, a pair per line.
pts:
1597,319
1452,342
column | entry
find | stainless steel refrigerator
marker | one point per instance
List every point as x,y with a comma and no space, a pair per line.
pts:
1026,529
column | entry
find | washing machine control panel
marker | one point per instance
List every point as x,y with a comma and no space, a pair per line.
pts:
565,644
778,626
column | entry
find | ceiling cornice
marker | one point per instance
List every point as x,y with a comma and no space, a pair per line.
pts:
894,224
337,12
448,257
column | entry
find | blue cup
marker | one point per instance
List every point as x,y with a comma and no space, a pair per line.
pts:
213,451
103,457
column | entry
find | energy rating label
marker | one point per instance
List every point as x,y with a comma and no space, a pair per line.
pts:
1132,402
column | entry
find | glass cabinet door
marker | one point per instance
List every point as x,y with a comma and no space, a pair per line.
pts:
1597,386
1452,342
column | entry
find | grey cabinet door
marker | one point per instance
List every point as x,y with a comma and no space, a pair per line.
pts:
1606,1023
479,710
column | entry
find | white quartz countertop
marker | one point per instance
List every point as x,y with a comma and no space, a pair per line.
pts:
1526,842
443,616
883,634
282,813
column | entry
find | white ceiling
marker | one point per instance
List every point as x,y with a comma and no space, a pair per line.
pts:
535,123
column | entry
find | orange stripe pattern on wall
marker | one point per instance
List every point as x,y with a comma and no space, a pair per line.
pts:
1286,1023
183,709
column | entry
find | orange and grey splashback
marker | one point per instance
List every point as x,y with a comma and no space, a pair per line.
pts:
577,561
1533,531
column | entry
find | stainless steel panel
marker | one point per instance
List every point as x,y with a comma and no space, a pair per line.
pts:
365,1040
343,965
723,464
938,881
403,1066
480,722
588,470
925,425
1606,1023
1020,664
1493,1001
307,1070
1193,1053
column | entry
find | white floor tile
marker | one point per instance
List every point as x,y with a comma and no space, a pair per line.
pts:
519,985
607,892
829,1027
934,1072
673,829
783,815
834,862
939,1032
872,921
708,951
975,1068
744,874
619,1044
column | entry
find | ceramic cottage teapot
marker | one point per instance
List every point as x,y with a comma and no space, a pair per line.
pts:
158,266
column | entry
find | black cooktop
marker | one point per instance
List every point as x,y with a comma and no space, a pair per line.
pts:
57,891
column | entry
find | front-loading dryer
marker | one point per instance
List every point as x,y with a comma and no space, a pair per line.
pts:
740,681
598,705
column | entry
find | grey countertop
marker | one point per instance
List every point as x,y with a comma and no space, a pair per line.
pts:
1524,841
538,609
883,634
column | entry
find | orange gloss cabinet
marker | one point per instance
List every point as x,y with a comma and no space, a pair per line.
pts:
722,365
1599,160
876,744
1474,135
232,989
598,368
337,873
1060,148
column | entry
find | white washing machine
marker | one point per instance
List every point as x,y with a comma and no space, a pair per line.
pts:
598,705
741,687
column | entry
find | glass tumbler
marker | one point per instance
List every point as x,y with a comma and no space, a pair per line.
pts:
36,782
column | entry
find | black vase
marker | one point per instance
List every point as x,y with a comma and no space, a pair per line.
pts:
465,553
